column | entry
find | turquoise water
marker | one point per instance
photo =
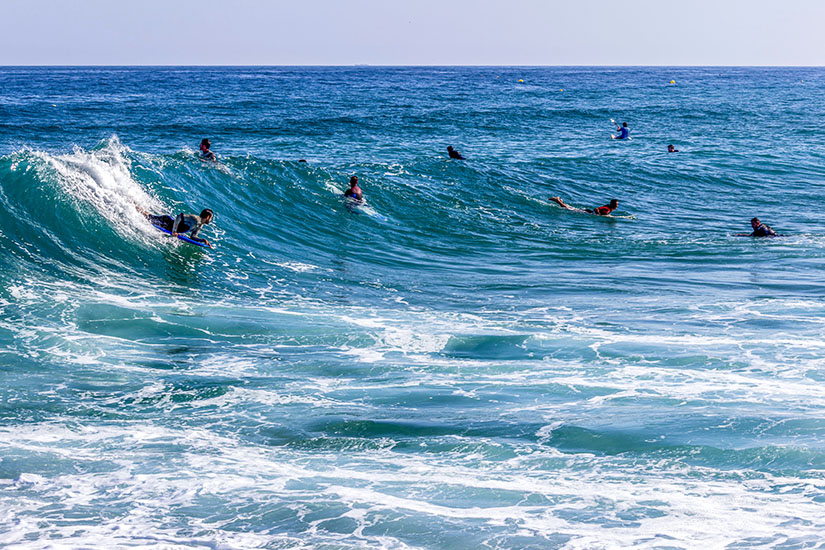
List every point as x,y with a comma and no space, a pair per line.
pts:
458,364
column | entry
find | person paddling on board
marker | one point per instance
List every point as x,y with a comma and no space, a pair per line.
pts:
183,223
624,131
354,192
206,154
759,230
600,211
454,154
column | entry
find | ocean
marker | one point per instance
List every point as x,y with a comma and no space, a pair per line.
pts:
457,364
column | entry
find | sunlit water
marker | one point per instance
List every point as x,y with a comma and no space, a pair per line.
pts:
458,363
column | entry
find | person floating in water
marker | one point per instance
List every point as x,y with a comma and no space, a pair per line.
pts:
624,131
454,154
206,154
672,149
354,192
759,230
184,223
600,211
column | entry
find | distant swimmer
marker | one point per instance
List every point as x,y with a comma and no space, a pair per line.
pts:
454,154
184,223
624,131
672,149
354,192
600,211
206,154
759,230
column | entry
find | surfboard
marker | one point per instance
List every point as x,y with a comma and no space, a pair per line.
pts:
361,206
184,238
614,136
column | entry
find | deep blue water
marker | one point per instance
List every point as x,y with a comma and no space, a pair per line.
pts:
458,363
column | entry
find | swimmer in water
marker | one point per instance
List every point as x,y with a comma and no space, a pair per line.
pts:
624,131
600,211
759,230
354,192
206,154
672,149
453,153
183,223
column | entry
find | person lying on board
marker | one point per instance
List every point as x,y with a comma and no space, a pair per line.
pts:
600,211
759,230
183,223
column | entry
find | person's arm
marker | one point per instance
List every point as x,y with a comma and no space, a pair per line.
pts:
199,240
175,225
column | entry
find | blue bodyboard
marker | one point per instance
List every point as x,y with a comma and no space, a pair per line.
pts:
183,237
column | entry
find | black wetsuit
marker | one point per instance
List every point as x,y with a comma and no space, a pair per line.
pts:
185,223
165,222
763,231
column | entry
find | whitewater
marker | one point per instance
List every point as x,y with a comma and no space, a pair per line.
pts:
459,363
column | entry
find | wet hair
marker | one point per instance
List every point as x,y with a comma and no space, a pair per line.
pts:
205,141
207,212
353,179
614,203
449,147
624,124
755,220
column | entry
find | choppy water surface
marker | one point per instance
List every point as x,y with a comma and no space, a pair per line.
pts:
459,364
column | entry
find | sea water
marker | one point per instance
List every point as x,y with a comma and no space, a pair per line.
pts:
456,364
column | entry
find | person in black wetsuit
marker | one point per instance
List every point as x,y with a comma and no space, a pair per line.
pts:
206,154
454,154
760,230
183,223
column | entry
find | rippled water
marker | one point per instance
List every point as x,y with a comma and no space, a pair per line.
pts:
457,364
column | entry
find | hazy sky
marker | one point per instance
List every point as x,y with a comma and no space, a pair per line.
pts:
419,32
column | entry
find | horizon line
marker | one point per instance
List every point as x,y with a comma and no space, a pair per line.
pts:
364,65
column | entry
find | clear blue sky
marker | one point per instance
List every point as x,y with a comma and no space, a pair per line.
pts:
413,32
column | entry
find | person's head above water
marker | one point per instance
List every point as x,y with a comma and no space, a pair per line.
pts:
353,181
755,223
624,124
614,204
205,145
672,149
206,215
449,147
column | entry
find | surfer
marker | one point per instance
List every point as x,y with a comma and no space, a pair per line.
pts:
672,149
624,132
354,192
759,230
600,211
454,154
206,154
183,223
